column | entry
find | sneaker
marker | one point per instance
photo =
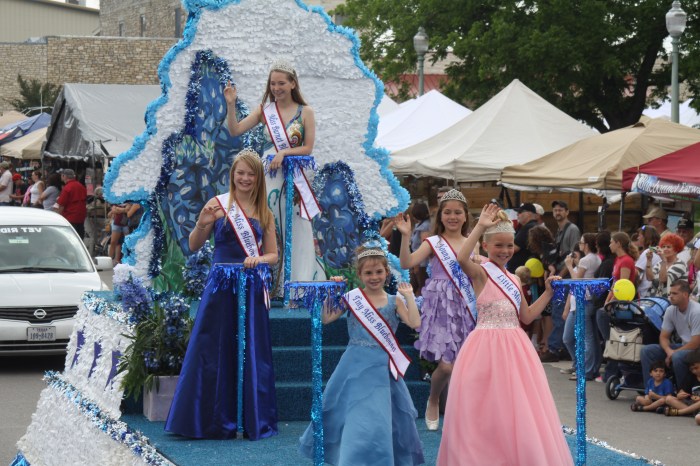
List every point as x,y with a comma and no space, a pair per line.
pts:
549,357
598,379
568,370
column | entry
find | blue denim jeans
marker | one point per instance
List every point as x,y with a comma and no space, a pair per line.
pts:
555,342
653,353
593,354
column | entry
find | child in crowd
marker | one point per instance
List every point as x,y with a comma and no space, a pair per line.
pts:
447,318
687,401
658,387
368,415
500,409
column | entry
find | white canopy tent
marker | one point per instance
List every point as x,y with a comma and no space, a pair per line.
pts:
96,120
27,147
386,106
686,115
417,120
514,127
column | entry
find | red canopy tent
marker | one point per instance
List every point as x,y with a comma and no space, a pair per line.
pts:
673,175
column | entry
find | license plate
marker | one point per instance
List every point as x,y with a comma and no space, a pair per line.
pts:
41,333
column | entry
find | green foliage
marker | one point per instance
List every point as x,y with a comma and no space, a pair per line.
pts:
170,277
595,60
34,94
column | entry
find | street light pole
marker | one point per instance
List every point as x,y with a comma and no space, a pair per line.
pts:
675,24
420,44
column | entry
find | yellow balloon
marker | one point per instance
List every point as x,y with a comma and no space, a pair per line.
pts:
623,290
536,267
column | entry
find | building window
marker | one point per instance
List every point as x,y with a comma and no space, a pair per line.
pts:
121,29
142,22
178,22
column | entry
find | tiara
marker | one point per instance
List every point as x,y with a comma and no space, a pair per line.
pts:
371,252
504,226
246,151
453,195
282,65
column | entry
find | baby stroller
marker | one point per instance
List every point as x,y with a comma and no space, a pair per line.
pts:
633,324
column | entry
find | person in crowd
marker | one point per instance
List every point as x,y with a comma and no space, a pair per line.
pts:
649,239
20,189
50,195
657,218
685,229
368,414
607,258
525,277
540,243
566,238
683,318
282,109
669,269
421,217
36,189
120,226
72,202
657,388
446,317
539,210
500,409
687,401
389,232
205,401
527,219
6,184
585,267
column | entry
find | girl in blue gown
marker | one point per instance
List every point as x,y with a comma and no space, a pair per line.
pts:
205,402
368,416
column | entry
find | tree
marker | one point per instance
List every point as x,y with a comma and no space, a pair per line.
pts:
600,61
34,95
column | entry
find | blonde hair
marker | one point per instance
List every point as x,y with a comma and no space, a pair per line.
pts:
502,218
523,274
261,210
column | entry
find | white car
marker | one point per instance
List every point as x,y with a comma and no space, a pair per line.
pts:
44,271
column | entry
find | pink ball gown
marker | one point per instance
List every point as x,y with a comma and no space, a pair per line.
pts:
500,410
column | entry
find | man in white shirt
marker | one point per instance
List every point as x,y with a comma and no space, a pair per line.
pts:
6,185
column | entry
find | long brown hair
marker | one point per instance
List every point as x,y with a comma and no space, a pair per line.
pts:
359,263
626,244
439,228
296,92
259,194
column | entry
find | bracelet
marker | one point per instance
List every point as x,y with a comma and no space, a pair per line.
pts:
196,224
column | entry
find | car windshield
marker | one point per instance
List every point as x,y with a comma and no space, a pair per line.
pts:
42,248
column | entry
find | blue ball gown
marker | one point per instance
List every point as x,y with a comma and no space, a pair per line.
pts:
368,417
205,401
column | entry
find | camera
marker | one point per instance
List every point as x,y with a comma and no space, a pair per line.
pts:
696,391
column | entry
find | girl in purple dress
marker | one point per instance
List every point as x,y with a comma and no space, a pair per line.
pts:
446,320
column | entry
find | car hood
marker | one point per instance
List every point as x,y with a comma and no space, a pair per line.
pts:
46,289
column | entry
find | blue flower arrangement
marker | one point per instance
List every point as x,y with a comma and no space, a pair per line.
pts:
196,271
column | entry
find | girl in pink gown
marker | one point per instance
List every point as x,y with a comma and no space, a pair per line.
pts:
500,410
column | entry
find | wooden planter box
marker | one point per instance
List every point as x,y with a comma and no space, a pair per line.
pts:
156,404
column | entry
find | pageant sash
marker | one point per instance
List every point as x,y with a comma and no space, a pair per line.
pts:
278,133
244,232
506,284
380,330
448,260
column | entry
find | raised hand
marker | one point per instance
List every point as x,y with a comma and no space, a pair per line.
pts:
403,224
549,280
489,216
230,93
405,289
208,215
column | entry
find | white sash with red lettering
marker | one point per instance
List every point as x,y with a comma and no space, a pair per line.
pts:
380,330
278,134
505,283
244,232
448,260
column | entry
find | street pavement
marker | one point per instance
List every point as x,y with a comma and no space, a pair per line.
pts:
674,441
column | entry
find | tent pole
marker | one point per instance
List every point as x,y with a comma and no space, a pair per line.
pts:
622,208
601,214
581,211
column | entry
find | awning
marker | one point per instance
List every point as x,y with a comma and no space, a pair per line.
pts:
27,147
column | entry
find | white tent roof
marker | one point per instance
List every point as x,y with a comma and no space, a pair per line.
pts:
386,106
514,127
686,115
26,147
90,117
417,120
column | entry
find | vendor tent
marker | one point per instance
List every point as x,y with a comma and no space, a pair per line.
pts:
11,116
20,128
27,147
686,115
417,120
95,120
673,175
386,106
596,164
515,126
